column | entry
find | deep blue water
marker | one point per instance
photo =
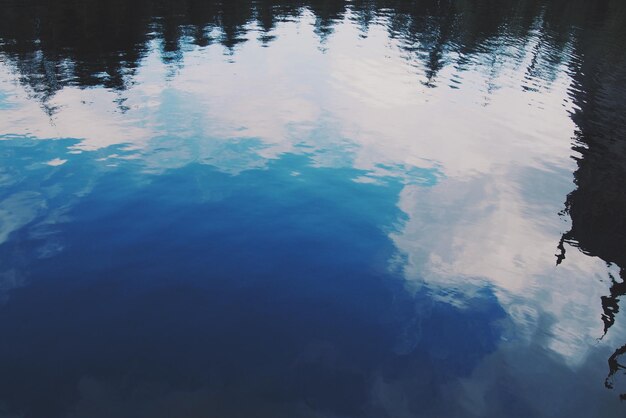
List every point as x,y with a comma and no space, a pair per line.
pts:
312,209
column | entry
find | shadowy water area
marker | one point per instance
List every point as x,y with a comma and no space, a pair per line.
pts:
312,208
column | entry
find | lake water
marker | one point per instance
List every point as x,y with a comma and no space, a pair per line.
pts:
312,208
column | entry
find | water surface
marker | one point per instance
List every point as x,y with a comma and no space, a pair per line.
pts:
312,208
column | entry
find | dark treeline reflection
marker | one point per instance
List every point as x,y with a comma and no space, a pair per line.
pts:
597,207
97,42
101,43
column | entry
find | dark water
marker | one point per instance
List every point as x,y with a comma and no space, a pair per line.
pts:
312,208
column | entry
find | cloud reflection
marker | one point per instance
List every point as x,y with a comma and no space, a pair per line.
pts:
465,128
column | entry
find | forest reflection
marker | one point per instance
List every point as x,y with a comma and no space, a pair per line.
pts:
101,43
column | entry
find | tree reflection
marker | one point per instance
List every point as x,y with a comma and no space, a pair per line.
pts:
96,42
597,206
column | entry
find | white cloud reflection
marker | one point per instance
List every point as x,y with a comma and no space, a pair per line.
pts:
18,210
359,103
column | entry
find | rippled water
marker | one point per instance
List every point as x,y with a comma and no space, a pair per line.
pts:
312,208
